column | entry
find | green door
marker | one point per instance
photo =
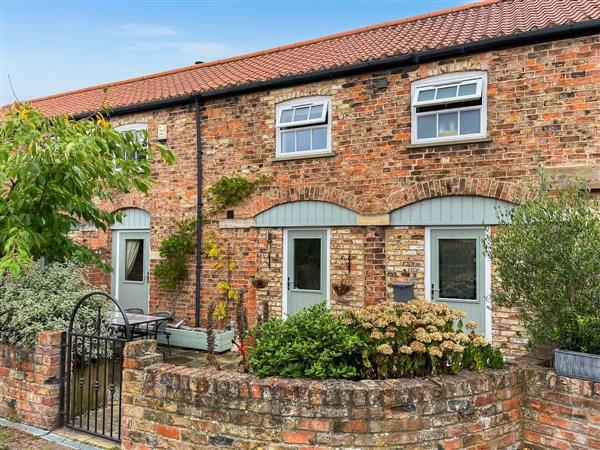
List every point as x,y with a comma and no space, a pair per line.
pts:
458,272
132,269
306,269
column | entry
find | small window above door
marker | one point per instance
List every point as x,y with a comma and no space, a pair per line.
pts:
449,108
303,127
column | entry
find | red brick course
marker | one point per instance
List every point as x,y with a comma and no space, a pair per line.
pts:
30,382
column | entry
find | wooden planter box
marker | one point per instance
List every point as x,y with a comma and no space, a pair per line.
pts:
584,366
195,338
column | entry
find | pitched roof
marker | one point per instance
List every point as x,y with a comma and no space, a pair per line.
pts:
469,23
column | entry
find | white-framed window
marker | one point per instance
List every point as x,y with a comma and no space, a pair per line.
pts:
303,126
449,108
138,129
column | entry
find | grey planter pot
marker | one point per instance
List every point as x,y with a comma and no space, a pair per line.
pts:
585,366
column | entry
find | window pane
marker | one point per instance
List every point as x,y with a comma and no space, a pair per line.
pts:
134,259
448,124
307,264
467,89
458,268
470,121
319,138
301,113
287,115
316,112
426,95
426,127
303,140
288,142
446,92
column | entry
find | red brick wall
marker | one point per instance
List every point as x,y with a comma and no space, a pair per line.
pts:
560,412
172,197
542,108
30,382
166,406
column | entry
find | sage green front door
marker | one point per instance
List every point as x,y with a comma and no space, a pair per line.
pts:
458,272
307,281
132,269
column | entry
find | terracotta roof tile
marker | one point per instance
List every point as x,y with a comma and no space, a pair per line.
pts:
469,23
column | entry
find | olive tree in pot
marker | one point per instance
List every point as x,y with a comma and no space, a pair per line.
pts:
546,251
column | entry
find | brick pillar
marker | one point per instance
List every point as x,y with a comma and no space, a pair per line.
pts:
137,355
375,290
30,382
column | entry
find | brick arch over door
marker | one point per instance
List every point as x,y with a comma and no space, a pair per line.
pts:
146,203
480,187
275,197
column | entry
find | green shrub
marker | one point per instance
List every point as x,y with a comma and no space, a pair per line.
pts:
41,299
310,344
419,338
582,335
547,257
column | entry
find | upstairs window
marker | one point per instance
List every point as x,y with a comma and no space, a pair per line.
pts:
449,108
303,127
139,129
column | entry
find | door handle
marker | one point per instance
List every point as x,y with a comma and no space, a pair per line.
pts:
291,284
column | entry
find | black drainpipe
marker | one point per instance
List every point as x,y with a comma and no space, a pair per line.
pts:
199,218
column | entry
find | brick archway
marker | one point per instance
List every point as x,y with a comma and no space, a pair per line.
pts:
481,187
274,197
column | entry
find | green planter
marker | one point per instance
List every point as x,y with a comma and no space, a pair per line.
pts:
188,337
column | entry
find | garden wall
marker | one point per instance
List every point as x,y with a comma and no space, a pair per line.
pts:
30,382
560,412
168,406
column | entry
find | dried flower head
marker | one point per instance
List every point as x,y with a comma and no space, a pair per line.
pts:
406,350
471,325
385,349
435,351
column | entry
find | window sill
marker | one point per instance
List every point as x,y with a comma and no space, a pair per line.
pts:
306,156
449,143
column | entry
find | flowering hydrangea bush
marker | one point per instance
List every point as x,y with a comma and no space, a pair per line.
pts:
418,338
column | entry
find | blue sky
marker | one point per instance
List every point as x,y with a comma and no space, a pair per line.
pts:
50,46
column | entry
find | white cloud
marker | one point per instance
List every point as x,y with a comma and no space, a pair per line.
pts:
199,50
142,30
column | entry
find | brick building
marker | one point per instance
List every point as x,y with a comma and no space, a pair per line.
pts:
389,150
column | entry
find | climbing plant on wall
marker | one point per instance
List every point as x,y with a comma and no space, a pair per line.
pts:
174,250
230,191
225,193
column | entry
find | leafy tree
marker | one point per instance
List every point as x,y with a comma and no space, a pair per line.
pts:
547,257
54,171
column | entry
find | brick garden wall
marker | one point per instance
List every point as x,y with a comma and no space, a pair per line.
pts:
30,382
167,406
560,412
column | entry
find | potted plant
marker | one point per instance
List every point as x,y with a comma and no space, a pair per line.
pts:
342,288
579,355
258,282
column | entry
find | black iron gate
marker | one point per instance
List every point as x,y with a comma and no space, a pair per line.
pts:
93,367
